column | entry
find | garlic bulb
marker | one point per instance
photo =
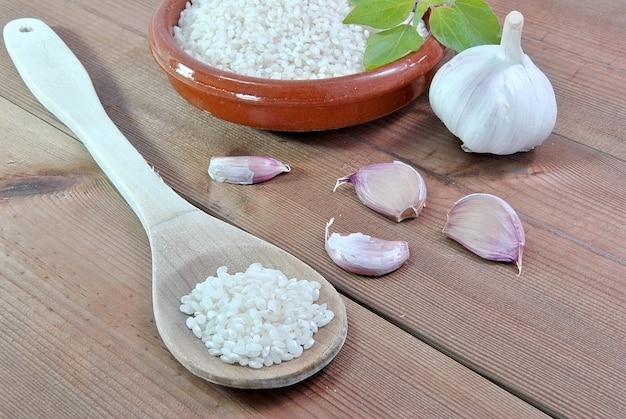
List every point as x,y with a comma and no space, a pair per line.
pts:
493,97
488,226
395,190
245,170
365,255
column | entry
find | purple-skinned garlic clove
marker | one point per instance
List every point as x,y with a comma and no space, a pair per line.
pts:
488,226
395,190
245,170
365,255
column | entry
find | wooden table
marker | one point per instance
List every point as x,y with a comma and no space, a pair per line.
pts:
448,334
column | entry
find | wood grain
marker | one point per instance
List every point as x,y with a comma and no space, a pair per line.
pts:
97,351
185,242
554,338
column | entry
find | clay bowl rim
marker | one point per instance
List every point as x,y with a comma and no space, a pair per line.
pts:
337,90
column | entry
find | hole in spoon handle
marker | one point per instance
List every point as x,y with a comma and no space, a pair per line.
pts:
59,81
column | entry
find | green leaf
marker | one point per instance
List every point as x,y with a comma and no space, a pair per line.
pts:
482,23
420,10
466,23
448,26
437,2
387,46
380,14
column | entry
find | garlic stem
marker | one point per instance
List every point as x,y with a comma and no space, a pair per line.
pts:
511,42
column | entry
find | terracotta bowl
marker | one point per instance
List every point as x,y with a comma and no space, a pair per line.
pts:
289,105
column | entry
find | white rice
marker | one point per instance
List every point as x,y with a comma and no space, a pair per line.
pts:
257,317
275,39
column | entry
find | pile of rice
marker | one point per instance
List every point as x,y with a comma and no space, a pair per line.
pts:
257,317
275,39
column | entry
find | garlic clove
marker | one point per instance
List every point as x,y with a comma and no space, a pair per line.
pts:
245,170
493,97
488,226
395,190
363,254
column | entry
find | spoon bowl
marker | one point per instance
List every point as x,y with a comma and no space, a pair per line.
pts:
202,257
187,245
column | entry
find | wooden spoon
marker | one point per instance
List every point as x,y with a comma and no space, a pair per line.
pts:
187,245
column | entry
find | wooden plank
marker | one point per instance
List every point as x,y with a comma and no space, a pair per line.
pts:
556,335
76,311
560,184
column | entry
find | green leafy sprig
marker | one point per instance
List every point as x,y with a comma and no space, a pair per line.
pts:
456,24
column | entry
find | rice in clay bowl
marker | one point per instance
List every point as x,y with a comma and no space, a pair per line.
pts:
289,105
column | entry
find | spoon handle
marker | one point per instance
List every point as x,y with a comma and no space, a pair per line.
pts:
60,82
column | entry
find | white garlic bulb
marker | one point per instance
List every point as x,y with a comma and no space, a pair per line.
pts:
493,97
